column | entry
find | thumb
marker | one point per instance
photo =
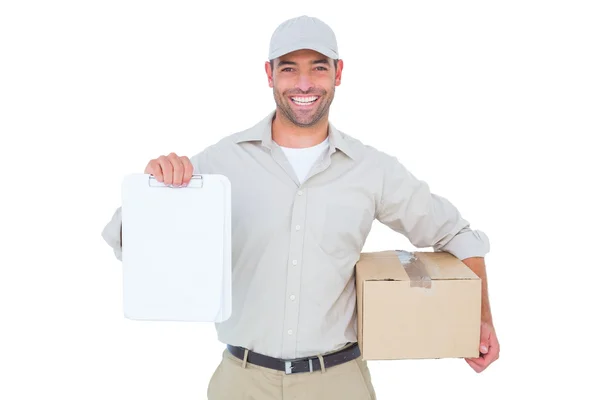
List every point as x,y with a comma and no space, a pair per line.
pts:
483,348
484,344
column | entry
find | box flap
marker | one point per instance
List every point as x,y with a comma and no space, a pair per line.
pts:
386,265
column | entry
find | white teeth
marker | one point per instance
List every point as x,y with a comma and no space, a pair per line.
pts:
304,100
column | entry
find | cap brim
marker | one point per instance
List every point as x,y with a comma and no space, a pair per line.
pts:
304,46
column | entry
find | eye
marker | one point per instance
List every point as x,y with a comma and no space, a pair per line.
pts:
322,68
288,69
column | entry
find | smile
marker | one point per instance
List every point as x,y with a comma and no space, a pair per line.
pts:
304,100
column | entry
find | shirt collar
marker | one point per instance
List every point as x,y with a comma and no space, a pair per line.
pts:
262,132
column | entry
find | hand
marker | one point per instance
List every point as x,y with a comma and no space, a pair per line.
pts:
489,348
171,170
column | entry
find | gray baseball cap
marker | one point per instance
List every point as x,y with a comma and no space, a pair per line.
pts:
303,32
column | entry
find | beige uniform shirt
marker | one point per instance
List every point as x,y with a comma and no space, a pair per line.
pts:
295,245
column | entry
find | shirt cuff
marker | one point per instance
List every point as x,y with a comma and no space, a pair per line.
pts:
468,243
112,234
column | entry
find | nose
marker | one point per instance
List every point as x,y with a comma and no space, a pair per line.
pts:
304,82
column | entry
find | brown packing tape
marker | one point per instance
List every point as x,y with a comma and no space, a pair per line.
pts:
415,269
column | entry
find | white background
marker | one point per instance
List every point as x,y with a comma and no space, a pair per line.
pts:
495,104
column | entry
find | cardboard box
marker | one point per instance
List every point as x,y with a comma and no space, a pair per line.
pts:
415,305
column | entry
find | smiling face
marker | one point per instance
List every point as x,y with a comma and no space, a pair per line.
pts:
303,85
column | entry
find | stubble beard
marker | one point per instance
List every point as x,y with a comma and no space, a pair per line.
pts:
304,120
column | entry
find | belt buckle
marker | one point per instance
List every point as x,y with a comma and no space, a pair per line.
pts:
288,367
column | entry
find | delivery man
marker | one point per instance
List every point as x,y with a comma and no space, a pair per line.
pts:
304,196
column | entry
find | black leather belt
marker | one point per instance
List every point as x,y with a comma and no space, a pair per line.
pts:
307,364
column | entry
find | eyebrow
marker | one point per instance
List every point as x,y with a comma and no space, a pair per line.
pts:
320,61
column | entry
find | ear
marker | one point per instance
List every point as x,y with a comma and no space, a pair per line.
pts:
269,73
338,73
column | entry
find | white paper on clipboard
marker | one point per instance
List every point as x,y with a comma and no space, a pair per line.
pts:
176,249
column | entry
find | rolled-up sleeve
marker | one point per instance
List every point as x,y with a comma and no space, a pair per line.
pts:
407,206
112,233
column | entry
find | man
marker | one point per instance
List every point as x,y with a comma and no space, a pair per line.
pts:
304,196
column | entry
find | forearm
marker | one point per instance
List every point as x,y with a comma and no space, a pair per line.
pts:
477,265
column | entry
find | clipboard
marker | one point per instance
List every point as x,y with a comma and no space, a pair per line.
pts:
176,249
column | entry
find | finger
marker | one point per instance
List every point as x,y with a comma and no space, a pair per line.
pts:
494,352
494,341
167,170
148,169
484,343
155,170
485,359
188,169
476,367
177,169
480,361
493,348
484,347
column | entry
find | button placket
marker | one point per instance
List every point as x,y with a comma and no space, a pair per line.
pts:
293,285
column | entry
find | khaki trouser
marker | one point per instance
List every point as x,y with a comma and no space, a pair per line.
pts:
235,379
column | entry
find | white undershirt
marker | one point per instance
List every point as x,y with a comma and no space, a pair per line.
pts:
303,159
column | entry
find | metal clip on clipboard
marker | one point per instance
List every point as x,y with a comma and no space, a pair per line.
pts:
196,182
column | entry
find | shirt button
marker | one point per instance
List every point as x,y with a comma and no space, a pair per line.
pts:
300,192
290,332
295,262
292,297
297,227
